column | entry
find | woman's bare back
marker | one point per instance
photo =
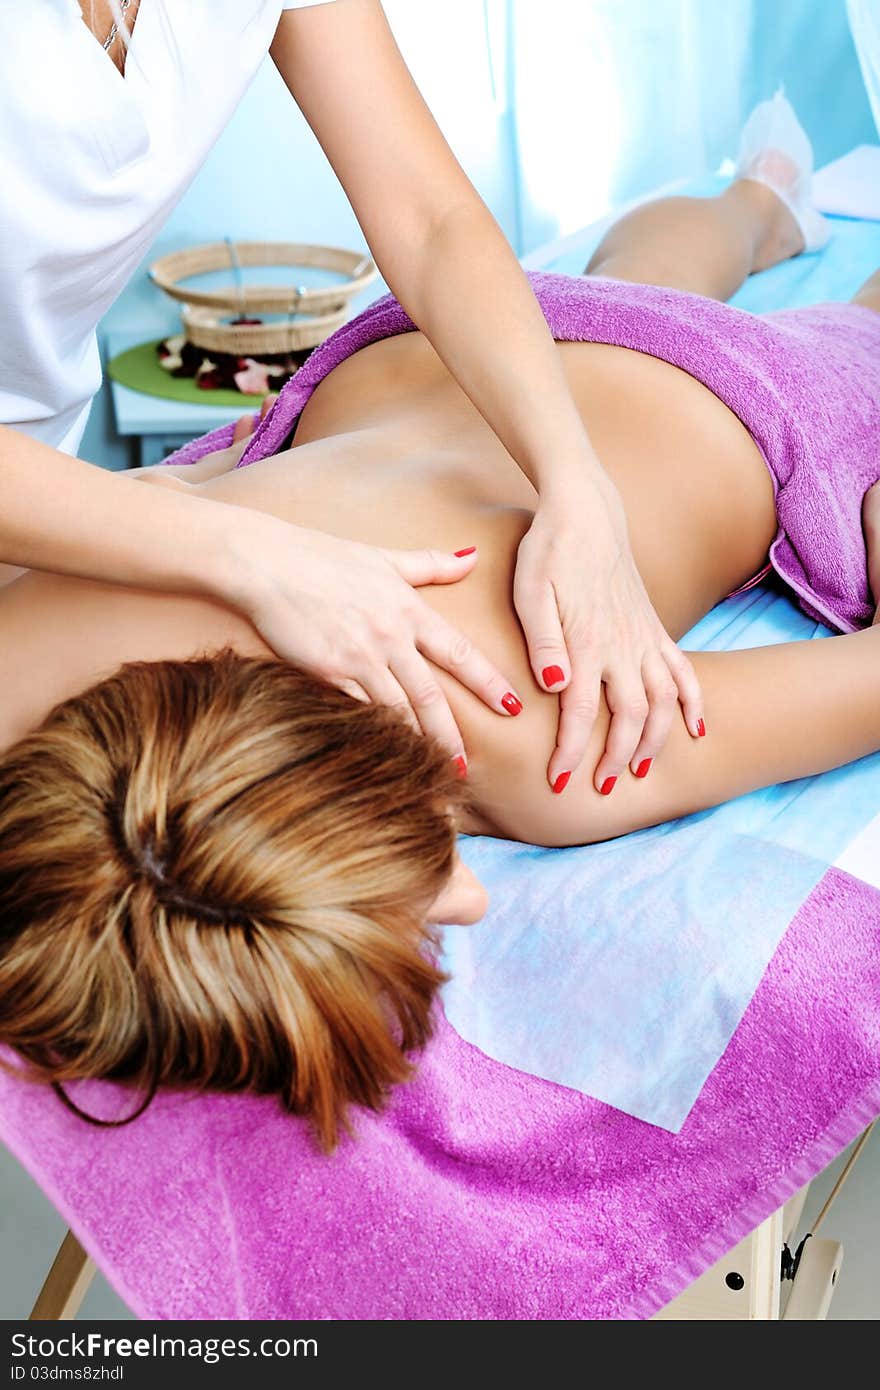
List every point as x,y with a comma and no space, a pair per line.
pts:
390,451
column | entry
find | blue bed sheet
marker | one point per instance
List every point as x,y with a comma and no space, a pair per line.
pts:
623,969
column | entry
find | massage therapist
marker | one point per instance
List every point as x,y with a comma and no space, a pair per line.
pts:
107,110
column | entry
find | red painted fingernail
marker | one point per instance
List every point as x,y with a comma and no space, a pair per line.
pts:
460,554
561,782
608,785
461,764
644,767
701,728
511,703
552,675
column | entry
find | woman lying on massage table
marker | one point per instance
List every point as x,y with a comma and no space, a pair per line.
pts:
219,872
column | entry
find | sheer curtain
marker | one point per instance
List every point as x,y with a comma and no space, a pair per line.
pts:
610,99
455,50
864,18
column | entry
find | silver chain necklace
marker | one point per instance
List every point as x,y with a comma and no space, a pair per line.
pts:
111,37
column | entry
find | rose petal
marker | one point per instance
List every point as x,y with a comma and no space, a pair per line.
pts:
254,380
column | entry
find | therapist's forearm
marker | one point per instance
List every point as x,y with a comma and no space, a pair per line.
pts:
67,516
435,241
462,284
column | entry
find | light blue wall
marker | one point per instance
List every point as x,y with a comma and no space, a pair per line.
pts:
267,177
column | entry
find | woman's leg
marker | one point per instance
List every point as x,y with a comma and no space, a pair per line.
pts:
708,246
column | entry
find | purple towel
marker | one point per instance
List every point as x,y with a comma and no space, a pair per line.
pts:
482,1193
804,382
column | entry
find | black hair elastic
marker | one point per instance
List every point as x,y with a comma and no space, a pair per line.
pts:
95,1119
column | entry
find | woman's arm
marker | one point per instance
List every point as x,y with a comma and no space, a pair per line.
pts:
344,611
584,610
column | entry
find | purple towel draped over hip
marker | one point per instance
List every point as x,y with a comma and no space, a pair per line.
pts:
481,1192
804,382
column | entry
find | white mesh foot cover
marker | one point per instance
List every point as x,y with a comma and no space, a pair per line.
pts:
774,150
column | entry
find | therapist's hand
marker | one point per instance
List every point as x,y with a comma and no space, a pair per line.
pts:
349,613
588,619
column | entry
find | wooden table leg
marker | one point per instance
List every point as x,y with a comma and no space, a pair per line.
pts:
66,1283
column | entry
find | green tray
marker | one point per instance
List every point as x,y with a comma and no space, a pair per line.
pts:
139,369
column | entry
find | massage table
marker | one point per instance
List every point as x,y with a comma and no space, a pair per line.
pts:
485,1155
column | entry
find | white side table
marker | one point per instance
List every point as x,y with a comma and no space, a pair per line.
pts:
161,426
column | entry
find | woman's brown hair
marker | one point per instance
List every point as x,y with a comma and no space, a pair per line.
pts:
214,873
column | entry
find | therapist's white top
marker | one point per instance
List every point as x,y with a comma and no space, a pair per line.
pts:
91,164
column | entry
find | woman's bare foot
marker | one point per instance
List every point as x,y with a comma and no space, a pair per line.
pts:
871,528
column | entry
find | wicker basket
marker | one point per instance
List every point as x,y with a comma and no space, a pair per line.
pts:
204,328
312,314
